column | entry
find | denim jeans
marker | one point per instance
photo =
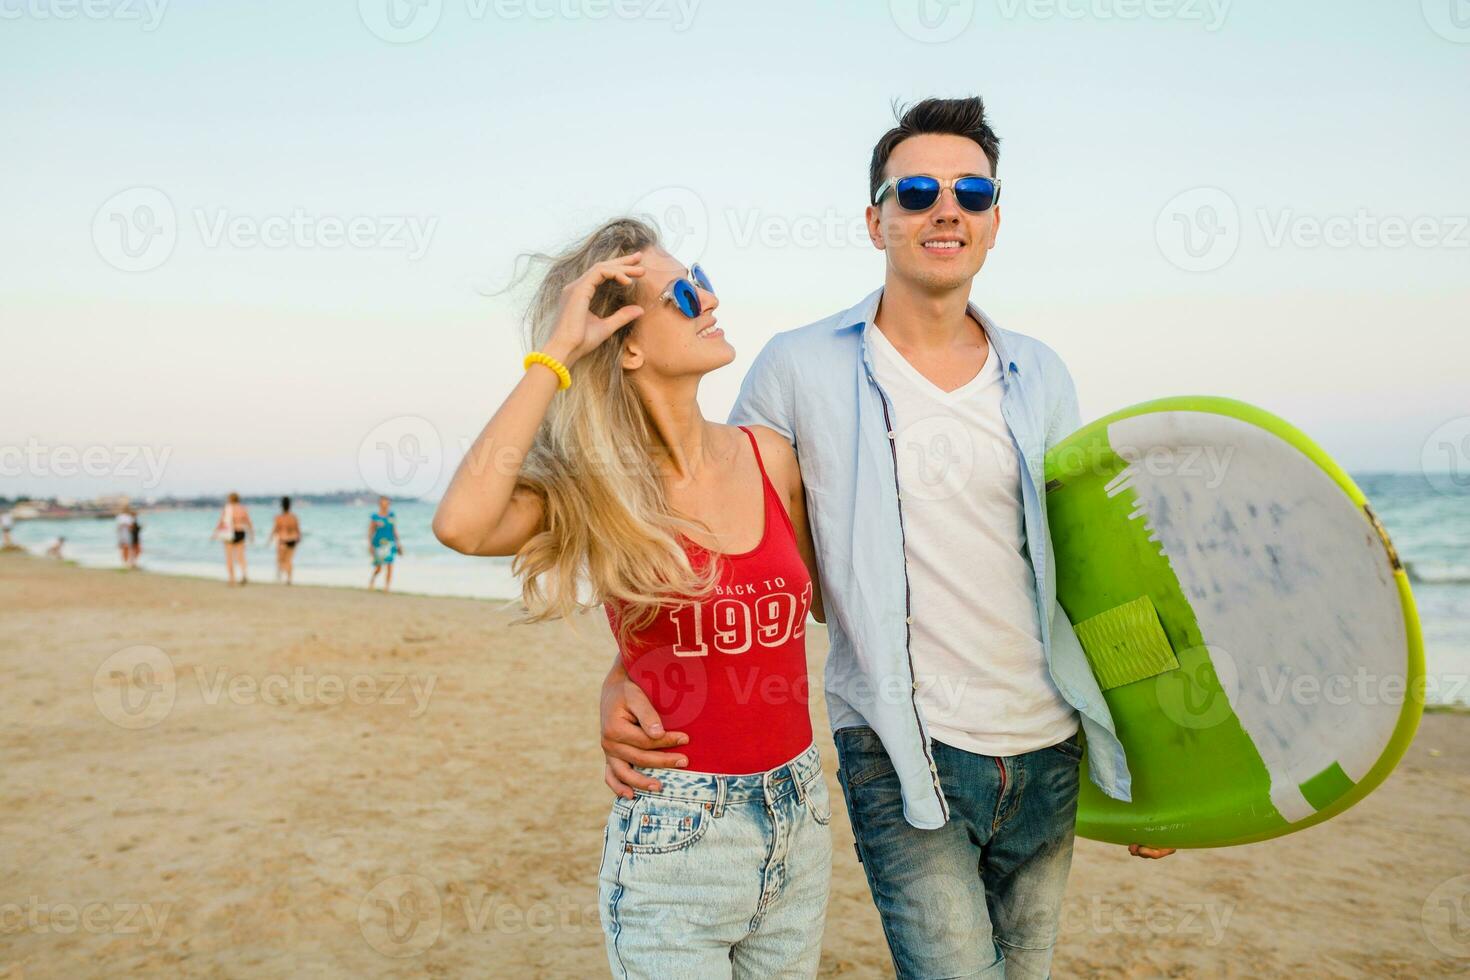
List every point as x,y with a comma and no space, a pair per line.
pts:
719,876
980,896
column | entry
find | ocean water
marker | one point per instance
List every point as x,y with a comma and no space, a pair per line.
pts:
333,549
1429,524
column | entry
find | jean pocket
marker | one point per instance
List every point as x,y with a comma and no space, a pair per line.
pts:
818,800
861,756
1070,747
657,825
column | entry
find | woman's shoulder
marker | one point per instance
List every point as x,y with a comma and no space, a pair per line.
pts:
777,455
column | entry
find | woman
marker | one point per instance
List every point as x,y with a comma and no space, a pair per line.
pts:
234,528
124,530
383,544
286,533
694,537
135,535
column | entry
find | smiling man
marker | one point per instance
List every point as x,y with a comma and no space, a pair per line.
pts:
957,691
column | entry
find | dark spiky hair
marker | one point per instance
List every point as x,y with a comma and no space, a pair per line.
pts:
956,117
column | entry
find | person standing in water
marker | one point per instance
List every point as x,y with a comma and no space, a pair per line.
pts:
234,528
286,533
383,543
135,539
124,525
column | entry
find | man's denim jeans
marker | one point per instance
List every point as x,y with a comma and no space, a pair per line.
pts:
980,896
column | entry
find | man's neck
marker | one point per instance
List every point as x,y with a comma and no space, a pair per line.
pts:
919,319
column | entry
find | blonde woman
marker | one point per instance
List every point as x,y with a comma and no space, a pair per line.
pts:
233,529
599,473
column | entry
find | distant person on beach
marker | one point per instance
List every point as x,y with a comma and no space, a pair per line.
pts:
383,543
693,537
124,528
135,535
7,523
287,534
53,550
233,529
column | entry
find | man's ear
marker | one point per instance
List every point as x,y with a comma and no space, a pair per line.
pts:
875,227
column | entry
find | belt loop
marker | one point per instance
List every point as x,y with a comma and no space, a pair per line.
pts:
721,789
796,780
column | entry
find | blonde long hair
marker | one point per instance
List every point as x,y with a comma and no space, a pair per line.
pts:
608,524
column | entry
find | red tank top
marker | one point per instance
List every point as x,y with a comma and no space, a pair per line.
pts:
730,671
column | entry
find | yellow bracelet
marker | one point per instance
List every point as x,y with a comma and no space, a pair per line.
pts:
564,377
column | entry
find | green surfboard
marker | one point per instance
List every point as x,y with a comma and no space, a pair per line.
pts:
1244,613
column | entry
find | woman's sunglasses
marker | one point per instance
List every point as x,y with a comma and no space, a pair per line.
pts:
684,294
918,193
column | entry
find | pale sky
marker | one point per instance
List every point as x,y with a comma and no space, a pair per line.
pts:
250,241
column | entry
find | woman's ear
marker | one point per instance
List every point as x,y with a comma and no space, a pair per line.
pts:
632,356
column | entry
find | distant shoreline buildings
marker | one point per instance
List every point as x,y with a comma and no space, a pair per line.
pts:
108,505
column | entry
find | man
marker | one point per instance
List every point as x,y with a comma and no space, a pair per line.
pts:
955,684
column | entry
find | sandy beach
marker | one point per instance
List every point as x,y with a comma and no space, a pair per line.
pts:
270,782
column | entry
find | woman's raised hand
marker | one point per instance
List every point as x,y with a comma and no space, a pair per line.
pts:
578,331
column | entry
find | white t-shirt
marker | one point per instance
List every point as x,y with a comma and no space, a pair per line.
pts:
980,670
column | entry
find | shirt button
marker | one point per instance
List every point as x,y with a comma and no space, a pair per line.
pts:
909,620
891,434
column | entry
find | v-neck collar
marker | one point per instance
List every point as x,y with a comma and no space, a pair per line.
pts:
989,371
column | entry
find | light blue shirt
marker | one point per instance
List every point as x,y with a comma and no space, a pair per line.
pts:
815,386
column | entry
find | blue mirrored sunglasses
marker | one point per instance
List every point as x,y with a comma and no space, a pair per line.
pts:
919,192
684,293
